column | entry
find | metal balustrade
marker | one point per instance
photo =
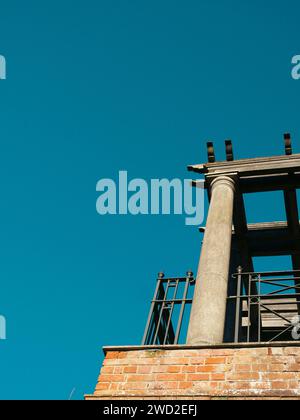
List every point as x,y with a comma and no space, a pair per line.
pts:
265,307
169,309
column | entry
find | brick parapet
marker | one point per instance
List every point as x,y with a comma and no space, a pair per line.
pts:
232,372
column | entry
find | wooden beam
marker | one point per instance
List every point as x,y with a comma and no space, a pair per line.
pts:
210,152
288,144
254,184
229,150
250,167
271,239
269,183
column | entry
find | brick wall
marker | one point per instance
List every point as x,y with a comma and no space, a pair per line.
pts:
182,373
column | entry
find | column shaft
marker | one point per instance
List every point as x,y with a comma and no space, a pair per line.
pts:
207,320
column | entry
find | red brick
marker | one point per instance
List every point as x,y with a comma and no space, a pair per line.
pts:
215,360
242,368
254,352
170,377
259,368
294,385
260,385
103,386
188,369
140,378
223,352
211,368
163,385
197,360
130,369
294,367
197,377
144,369
276,351
174,369
114,386
112,355
111,378
276,367
295,351
107,370
115,362
279,376
185,385
159,368
240,360
175,361
187,353
122,355
217,377
279,385
243,376
135,354
134,385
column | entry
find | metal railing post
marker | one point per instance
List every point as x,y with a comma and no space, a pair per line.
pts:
238,305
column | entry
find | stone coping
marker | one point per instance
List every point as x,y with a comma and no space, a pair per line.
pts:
197,347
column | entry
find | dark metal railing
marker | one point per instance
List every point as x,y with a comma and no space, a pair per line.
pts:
261,307
266,305
168,311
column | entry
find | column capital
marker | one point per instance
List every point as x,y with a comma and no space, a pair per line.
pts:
229,181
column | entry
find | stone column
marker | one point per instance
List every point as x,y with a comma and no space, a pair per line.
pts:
207,320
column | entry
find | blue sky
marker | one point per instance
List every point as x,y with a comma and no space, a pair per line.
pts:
96,87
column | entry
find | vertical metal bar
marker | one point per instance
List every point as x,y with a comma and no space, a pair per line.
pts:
238,306
259,309
161,312
153,303
171,313
249,306
179,323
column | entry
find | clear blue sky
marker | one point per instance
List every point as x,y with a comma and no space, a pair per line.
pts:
95,87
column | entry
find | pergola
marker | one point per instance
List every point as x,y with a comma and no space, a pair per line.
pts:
229,241
232,303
